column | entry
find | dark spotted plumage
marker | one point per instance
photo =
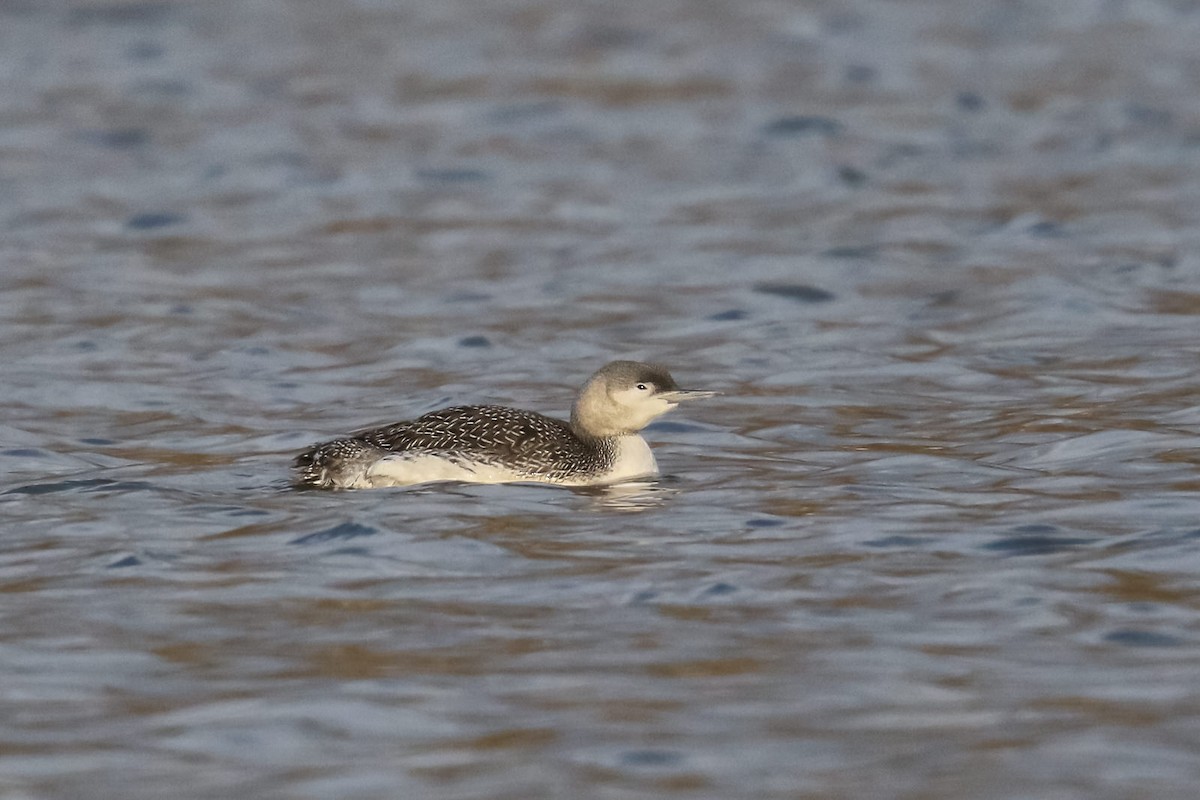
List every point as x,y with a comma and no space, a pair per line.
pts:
528,443
498,444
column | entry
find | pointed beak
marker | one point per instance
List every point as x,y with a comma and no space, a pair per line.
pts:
679,395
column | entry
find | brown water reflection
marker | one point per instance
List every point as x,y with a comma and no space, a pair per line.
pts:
938,537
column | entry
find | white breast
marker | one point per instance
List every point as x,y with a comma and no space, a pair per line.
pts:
633,460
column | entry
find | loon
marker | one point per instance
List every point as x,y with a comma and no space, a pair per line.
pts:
497,444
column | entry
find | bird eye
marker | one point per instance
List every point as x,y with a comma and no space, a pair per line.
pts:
642,387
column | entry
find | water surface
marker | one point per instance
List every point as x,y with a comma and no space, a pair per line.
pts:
938,538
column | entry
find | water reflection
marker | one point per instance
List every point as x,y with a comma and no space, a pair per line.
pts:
628,496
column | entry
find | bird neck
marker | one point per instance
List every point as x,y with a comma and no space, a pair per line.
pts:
594,417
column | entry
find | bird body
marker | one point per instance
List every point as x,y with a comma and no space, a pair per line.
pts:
497,444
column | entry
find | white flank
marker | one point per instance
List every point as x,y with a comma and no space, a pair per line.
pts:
406,469
633,460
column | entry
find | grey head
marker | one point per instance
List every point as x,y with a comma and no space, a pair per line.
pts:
625,396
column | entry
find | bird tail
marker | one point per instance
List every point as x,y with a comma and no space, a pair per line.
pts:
339,464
